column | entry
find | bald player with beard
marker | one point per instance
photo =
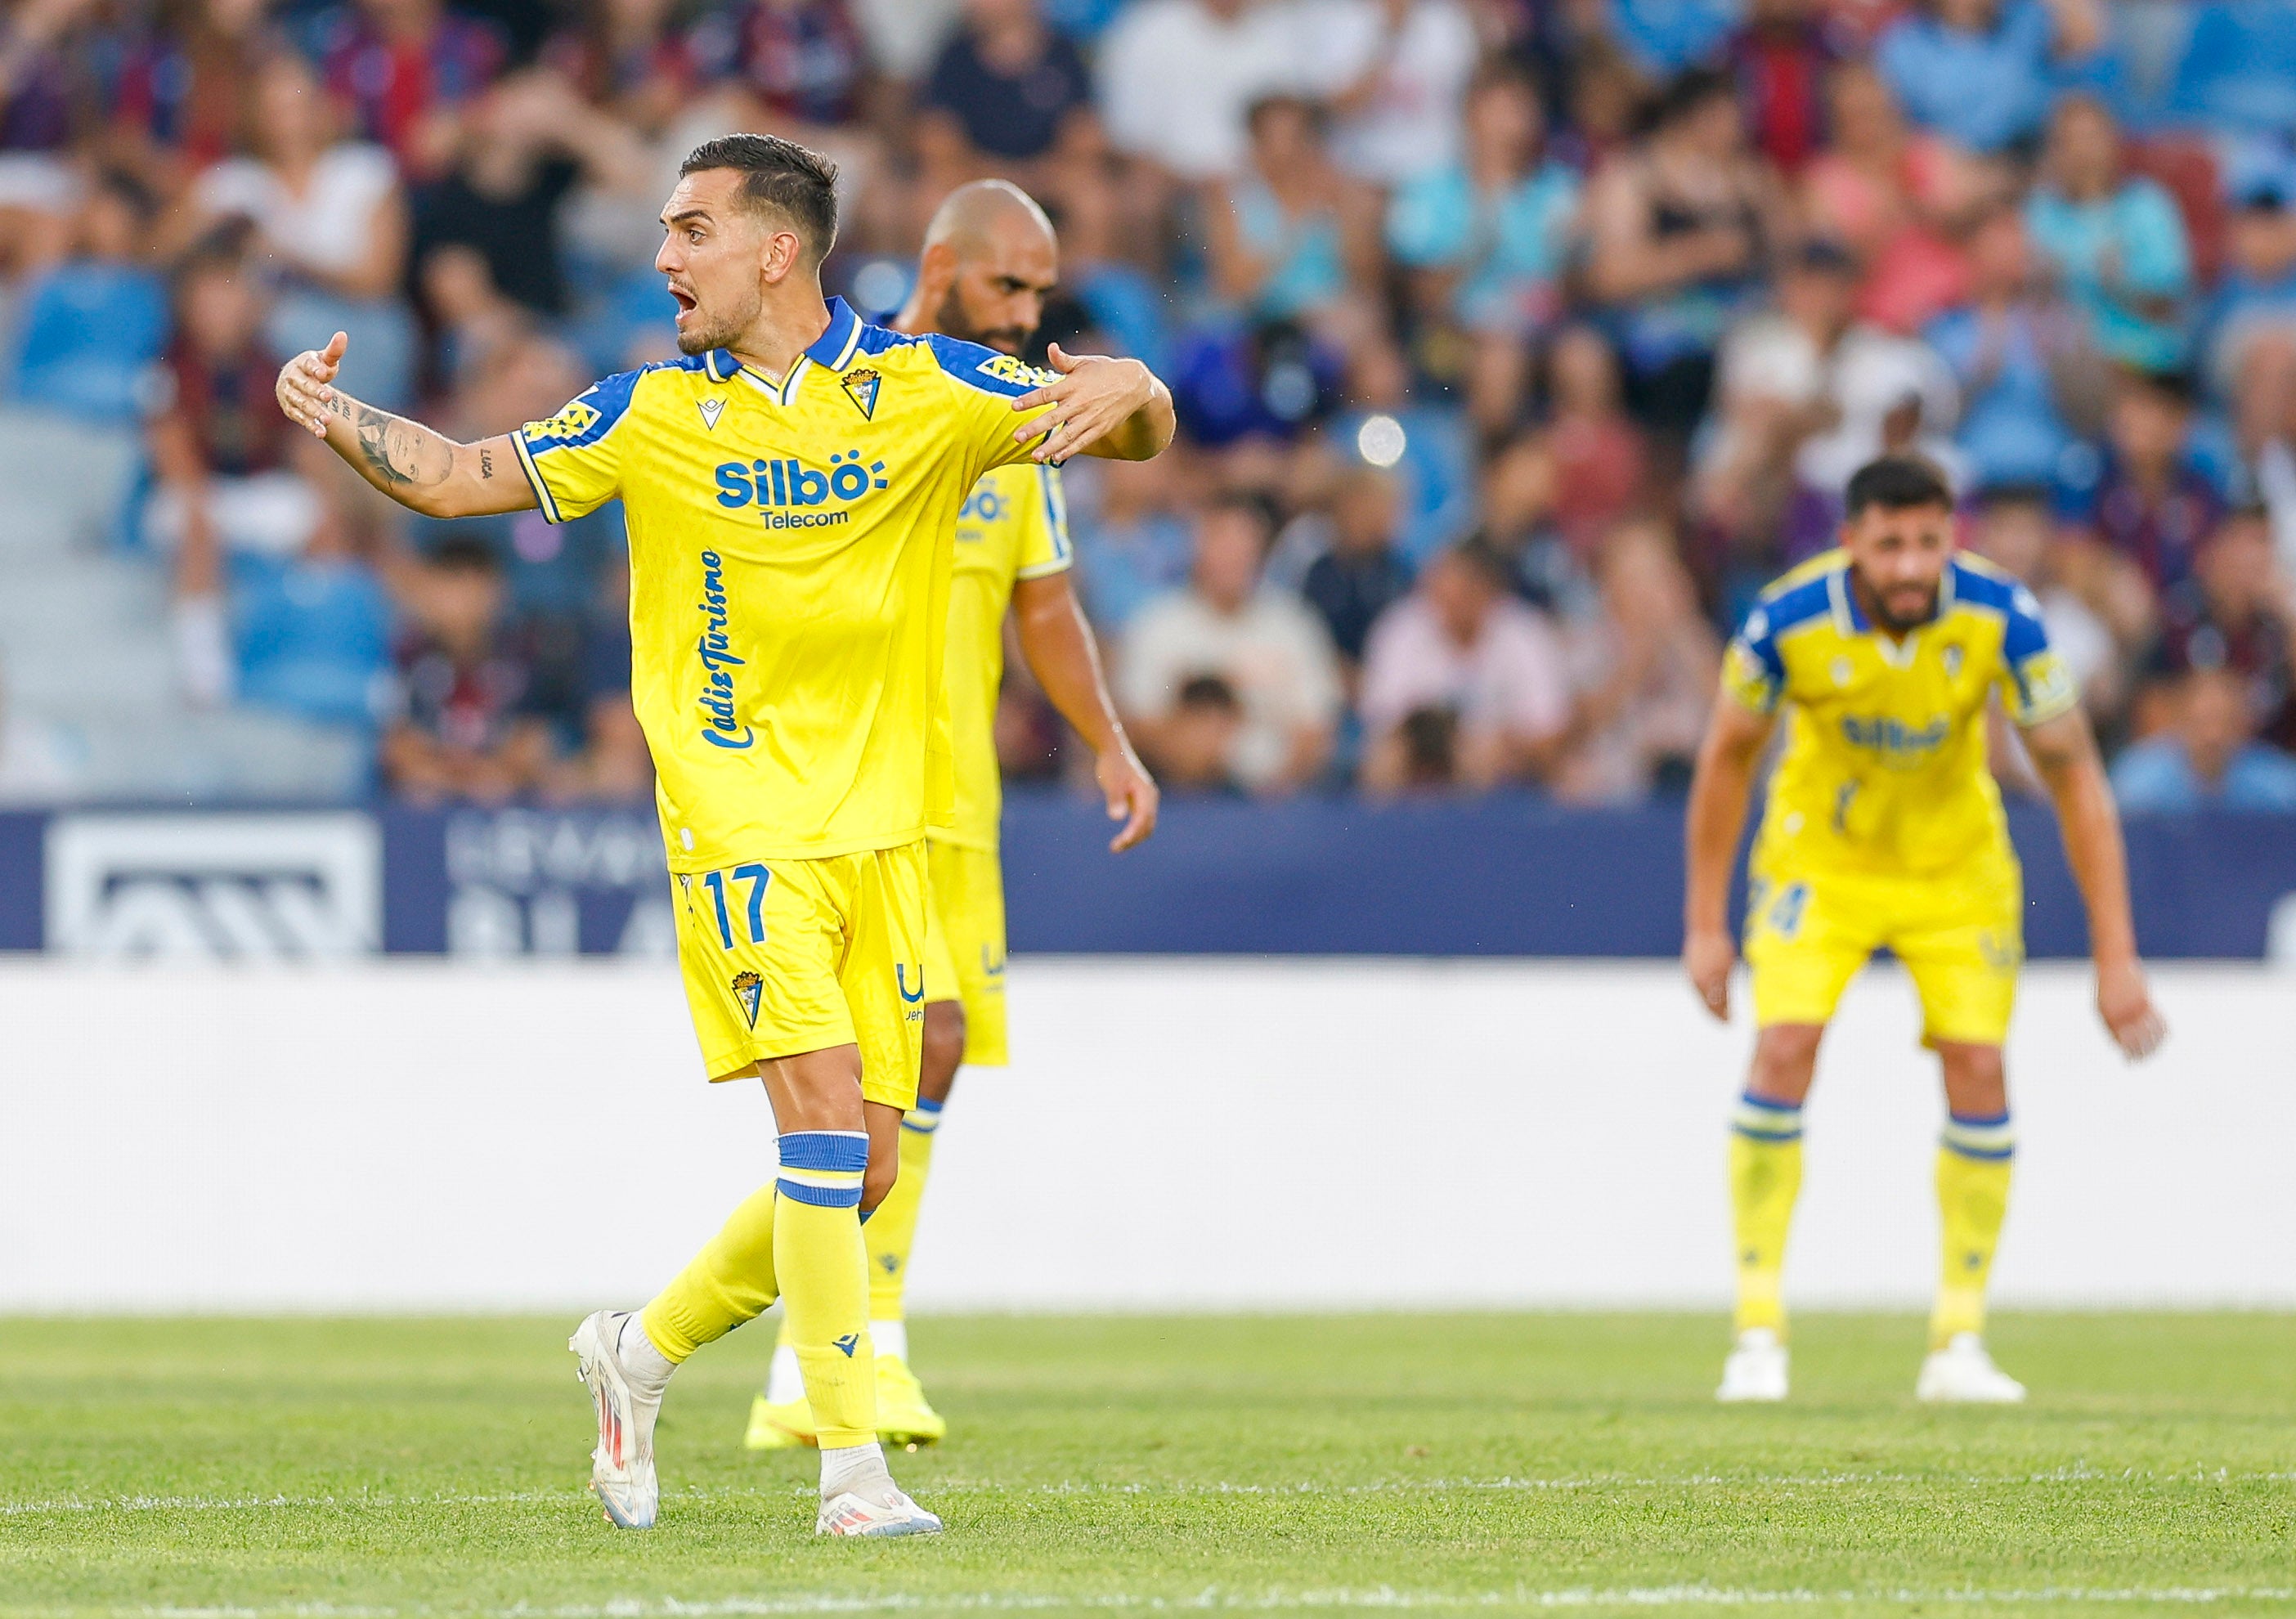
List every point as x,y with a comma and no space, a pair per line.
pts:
990,258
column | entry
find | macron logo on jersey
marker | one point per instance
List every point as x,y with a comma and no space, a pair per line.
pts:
788,489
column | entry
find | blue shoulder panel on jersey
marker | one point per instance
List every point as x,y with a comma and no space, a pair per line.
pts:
984,368
604,403
2022,633
1796,604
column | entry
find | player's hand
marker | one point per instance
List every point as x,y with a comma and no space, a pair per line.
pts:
1096,396
1707,959
302,387
1132,795
2124,1002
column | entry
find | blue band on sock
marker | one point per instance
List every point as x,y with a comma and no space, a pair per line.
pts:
821,1196
1759,1119
924,1118
1988,1137
843,1150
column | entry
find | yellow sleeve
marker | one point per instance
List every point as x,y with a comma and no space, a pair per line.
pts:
984,384
574,458
1043,520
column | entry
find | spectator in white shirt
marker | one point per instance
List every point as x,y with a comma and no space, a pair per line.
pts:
1176,78
1461,646
1395,73
330,219
1266,644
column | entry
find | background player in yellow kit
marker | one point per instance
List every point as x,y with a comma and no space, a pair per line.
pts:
1884,827
790,490
989,259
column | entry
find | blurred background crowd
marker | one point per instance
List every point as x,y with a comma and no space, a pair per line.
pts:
1518,343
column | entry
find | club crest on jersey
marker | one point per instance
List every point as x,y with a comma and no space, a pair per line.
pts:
748,989
861,387
712,408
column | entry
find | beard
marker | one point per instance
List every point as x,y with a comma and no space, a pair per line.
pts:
1899,623
702,333
952,320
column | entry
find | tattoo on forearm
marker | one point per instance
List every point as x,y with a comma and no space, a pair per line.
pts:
486,464
395,450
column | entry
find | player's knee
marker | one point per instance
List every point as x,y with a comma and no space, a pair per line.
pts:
1976,1081
1785,1060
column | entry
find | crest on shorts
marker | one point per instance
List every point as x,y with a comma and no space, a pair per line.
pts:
748,988
861,387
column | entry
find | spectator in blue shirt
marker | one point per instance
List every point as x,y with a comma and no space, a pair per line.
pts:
2115,241
1980,71
2256,301
2014,350
1488,235
2209,758
93,326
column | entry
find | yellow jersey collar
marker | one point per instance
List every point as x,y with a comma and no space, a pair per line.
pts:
834,349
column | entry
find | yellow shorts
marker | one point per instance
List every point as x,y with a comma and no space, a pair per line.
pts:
1960,933
965,944
784,957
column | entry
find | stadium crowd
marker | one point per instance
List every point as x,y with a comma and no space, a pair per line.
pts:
1518,343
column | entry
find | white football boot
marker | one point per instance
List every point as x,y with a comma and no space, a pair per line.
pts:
1755,1369
622,1468
1963,1373
853,1512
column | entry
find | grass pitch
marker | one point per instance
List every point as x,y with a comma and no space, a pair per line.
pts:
1490,1462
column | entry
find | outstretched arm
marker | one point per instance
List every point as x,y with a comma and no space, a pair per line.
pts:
1065,658
423,471
1113,408
2064,752
1719,788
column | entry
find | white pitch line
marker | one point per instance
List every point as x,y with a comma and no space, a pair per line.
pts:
1277,1600
1087,1487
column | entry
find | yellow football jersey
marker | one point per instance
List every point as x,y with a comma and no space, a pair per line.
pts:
791,547
1012,526
1884,768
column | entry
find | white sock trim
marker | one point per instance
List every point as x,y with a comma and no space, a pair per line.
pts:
647,1369
891,1338
842,1467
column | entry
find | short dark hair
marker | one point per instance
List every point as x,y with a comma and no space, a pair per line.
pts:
1897,483
2015,496
2172,386
1258,507
465,554
794,181
1210,692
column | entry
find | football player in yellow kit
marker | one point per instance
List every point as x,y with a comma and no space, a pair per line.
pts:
1884,827
989,259
791,489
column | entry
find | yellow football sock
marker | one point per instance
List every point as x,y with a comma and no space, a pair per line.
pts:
1765,1178
824,1266
893,1227
1972,1186
729,1282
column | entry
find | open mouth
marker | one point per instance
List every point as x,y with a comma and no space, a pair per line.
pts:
686,300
